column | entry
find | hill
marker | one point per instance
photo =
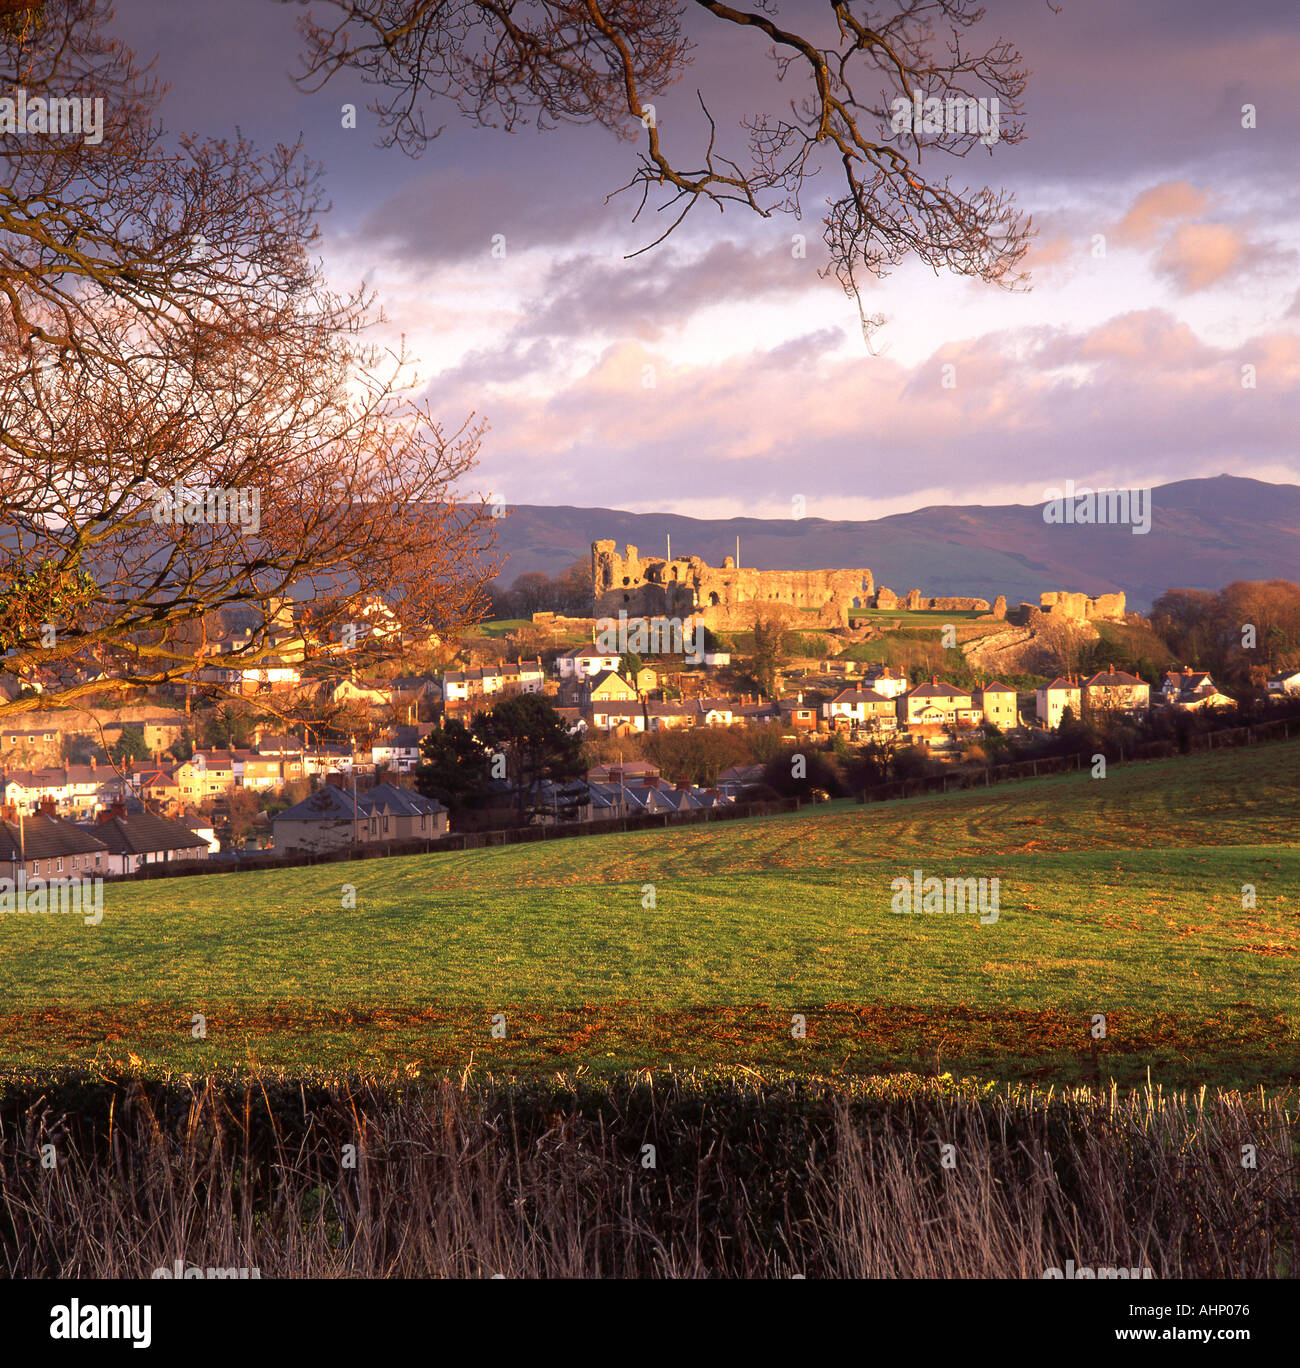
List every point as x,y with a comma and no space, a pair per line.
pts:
1121,896
1205,533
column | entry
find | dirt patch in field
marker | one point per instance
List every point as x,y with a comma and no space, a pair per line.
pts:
851,1038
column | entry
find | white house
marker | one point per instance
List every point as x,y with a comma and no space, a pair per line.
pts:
1053,699
1288,682
585,661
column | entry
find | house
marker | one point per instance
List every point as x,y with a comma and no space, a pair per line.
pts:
609,687
414,691
399,749
1185,681
1053,699
629,770
323,759
884,681
400,814
207,773
373,693
861,708
45,846
716,660
613,716
1201,699
136,839
737,782
585,661
158,789
645,680
931,703
650,796
1113,692
716,712
757,711
572,719
797,715
670,715
523,676
246,671
71,789
283,746
1285,683
331,819
998,703
1192,691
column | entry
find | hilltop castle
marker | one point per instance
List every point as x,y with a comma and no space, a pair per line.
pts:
724,599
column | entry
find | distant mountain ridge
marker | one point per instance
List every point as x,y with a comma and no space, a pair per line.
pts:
1204,534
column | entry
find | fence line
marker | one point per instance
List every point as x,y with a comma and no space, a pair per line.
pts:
1255,734
1258,733
466,840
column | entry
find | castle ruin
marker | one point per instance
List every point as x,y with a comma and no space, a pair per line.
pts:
722,599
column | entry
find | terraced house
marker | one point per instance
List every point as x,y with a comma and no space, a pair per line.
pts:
136,839
71,789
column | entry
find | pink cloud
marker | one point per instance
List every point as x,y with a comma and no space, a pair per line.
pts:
1154,209
1201,254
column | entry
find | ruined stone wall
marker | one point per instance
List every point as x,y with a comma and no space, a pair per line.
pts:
914,601
1082,608
722,598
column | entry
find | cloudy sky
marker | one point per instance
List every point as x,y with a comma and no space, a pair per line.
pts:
719,375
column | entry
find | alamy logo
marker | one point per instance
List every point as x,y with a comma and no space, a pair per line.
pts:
1106,1271
194,1271
20,116
85,897
651,636
182,505
75,1321
1083,506
919,894
960,114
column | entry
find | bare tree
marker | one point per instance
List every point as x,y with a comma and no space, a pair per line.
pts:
859,70
193,421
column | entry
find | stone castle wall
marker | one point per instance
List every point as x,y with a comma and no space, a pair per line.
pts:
722,598
1082,608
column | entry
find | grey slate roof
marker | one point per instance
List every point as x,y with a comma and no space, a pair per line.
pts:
46,837
143,833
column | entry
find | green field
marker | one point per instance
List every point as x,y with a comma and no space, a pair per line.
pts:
1121,896
905,617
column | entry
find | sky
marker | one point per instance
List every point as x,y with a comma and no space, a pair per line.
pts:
720,375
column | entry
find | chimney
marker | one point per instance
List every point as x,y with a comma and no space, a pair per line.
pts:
683,785
47,807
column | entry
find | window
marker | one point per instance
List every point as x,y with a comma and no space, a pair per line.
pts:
385,821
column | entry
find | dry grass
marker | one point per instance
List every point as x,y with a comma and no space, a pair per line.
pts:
751,1178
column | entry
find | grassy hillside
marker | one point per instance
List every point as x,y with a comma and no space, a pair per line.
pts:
1121,896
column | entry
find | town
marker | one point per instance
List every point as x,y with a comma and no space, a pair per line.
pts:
761,665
